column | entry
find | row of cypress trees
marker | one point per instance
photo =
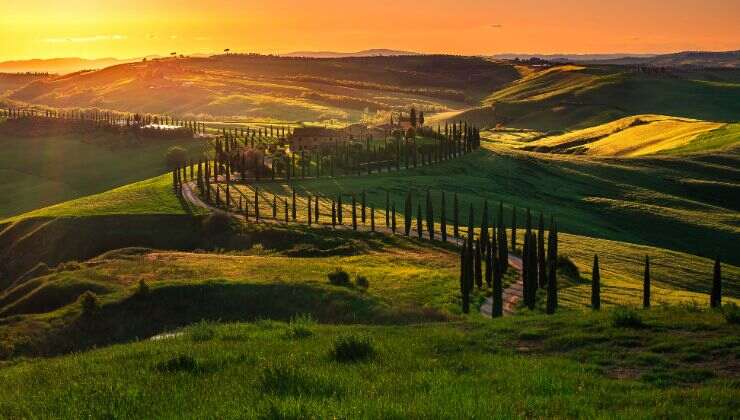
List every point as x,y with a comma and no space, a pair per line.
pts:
715,297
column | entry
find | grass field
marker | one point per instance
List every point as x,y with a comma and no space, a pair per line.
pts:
570,365
39,171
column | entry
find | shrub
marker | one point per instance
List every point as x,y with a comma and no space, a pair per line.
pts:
143,289
217,223
731,313
181,363
626,318
89,303
339,277
201,331
175,157
300,326
567,267
362,282
352,348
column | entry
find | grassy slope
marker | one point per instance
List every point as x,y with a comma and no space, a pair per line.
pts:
636,136
40,171
515,367
642,200
574,97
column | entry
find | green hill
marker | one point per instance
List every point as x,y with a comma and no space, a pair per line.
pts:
573,97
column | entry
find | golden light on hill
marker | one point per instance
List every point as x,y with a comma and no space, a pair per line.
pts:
90,29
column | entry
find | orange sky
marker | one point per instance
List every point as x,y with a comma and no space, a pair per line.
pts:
133,28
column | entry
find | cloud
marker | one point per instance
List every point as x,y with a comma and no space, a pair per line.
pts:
84,39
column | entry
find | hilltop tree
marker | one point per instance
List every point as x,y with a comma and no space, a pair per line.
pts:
716,296
595,285
646,284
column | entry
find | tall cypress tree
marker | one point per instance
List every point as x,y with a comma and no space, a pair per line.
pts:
497,308
646,284
443,219
533,268
339,209
595,285
393,217
285,202
503,247
464,292
541,258
552,283
364,205
715,300
489,265
478,269
526,278
333,213
387,208
256,203
471,231
316,209
354,213
372,218
310,216
294,206
274,206
408,214
455,217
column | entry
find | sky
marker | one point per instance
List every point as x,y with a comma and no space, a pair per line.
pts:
134,28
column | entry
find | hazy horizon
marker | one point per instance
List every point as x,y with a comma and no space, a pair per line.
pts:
87,29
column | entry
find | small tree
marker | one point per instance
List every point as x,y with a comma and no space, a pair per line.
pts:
175,157
595,285
716,296
646,284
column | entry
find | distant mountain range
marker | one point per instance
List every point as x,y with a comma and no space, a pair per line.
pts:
727,59
59,65
365,53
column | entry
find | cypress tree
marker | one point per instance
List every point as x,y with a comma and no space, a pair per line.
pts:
285,205
595,285
463,279
503,247
715,300
274,206
552,283
419,228
541,258
339,209
478,264
393,217
256,204
471,231
364,204
489,265
443,219
310,216
408,214
513,229
646,284
526,278
533,263
455,217
354,213
294,206
316,209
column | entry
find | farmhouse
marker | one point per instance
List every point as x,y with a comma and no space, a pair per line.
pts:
308,138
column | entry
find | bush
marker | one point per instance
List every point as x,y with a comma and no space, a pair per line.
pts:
201,331
339,277
89,303
626,318
175,157
731,313
568,267
352,348
217,223
182,363
362,282
143,289
300,326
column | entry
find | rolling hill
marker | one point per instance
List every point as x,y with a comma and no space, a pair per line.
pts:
572,97
639,135
269,87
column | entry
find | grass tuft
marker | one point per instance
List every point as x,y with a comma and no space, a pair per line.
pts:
352,348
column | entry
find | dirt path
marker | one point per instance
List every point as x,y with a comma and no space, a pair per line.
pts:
511,295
